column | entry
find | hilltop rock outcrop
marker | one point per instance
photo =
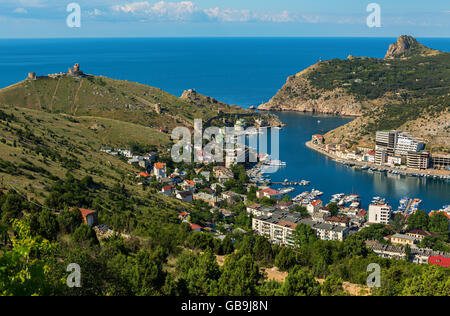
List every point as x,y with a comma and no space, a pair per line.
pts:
404,43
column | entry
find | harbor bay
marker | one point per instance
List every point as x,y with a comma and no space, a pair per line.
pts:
332,177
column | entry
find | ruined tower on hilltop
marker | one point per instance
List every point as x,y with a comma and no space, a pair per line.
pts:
75,71
31,76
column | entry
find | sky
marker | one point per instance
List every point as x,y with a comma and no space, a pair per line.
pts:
216,18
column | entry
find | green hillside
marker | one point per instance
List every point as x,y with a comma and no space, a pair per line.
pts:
109,98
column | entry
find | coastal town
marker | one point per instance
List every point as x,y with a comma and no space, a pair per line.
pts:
395,152
273,213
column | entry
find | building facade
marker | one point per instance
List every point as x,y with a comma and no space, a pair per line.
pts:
379,213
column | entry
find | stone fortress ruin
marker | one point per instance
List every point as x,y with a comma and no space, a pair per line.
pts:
74,72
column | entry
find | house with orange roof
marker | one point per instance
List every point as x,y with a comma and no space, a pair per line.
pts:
188,185
144,175
314,206
167,190
270,193
160,170
90,217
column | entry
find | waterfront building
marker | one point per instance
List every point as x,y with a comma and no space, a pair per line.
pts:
317,139
394,160
379,213
380,156
406,143
386,140
369,156
314,206
418,160
440,161
269,193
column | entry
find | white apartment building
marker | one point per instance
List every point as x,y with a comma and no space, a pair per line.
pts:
277,231
379,213
406,143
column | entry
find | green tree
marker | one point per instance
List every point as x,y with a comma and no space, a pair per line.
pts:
333,208
398,222
285,259
69,221
227,245
12,206
23,272
44,224
333,286
300,283
419,220
434,281
240,277
85,235
304,234
438,222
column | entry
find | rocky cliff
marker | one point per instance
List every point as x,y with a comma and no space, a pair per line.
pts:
410,86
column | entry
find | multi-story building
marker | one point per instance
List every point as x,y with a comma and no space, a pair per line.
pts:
380,156
406,143
401,239
280,226
386,140
379,213
439,161
418,160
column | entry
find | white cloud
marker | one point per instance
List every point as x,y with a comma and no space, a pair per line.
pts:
96,12
20,11
189,11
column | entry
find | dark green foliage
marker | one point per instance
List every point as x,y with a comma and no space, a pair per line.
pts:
85,235
300,283
69,221
418,220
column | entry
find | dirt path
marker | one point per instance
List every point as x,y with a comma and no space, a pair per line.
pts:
54,94
75,105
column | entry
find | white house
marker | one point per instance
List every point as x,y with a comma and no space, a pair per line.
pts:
160,170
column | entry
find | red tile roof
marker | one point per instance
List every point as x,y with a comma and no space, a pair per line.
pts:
362,213
316,202
270,191
160,165
190,182
195,226
168,188
85,213
439,260
144,174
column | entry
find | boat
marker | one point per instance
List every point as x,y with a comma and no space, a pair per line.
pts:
277,163
304,182
286,190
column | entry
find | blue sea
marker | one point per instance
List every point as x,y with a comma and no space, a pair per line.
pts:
241,71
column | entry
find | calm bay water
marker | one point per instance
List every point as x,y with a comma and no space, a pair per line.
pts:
242,71
330,177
